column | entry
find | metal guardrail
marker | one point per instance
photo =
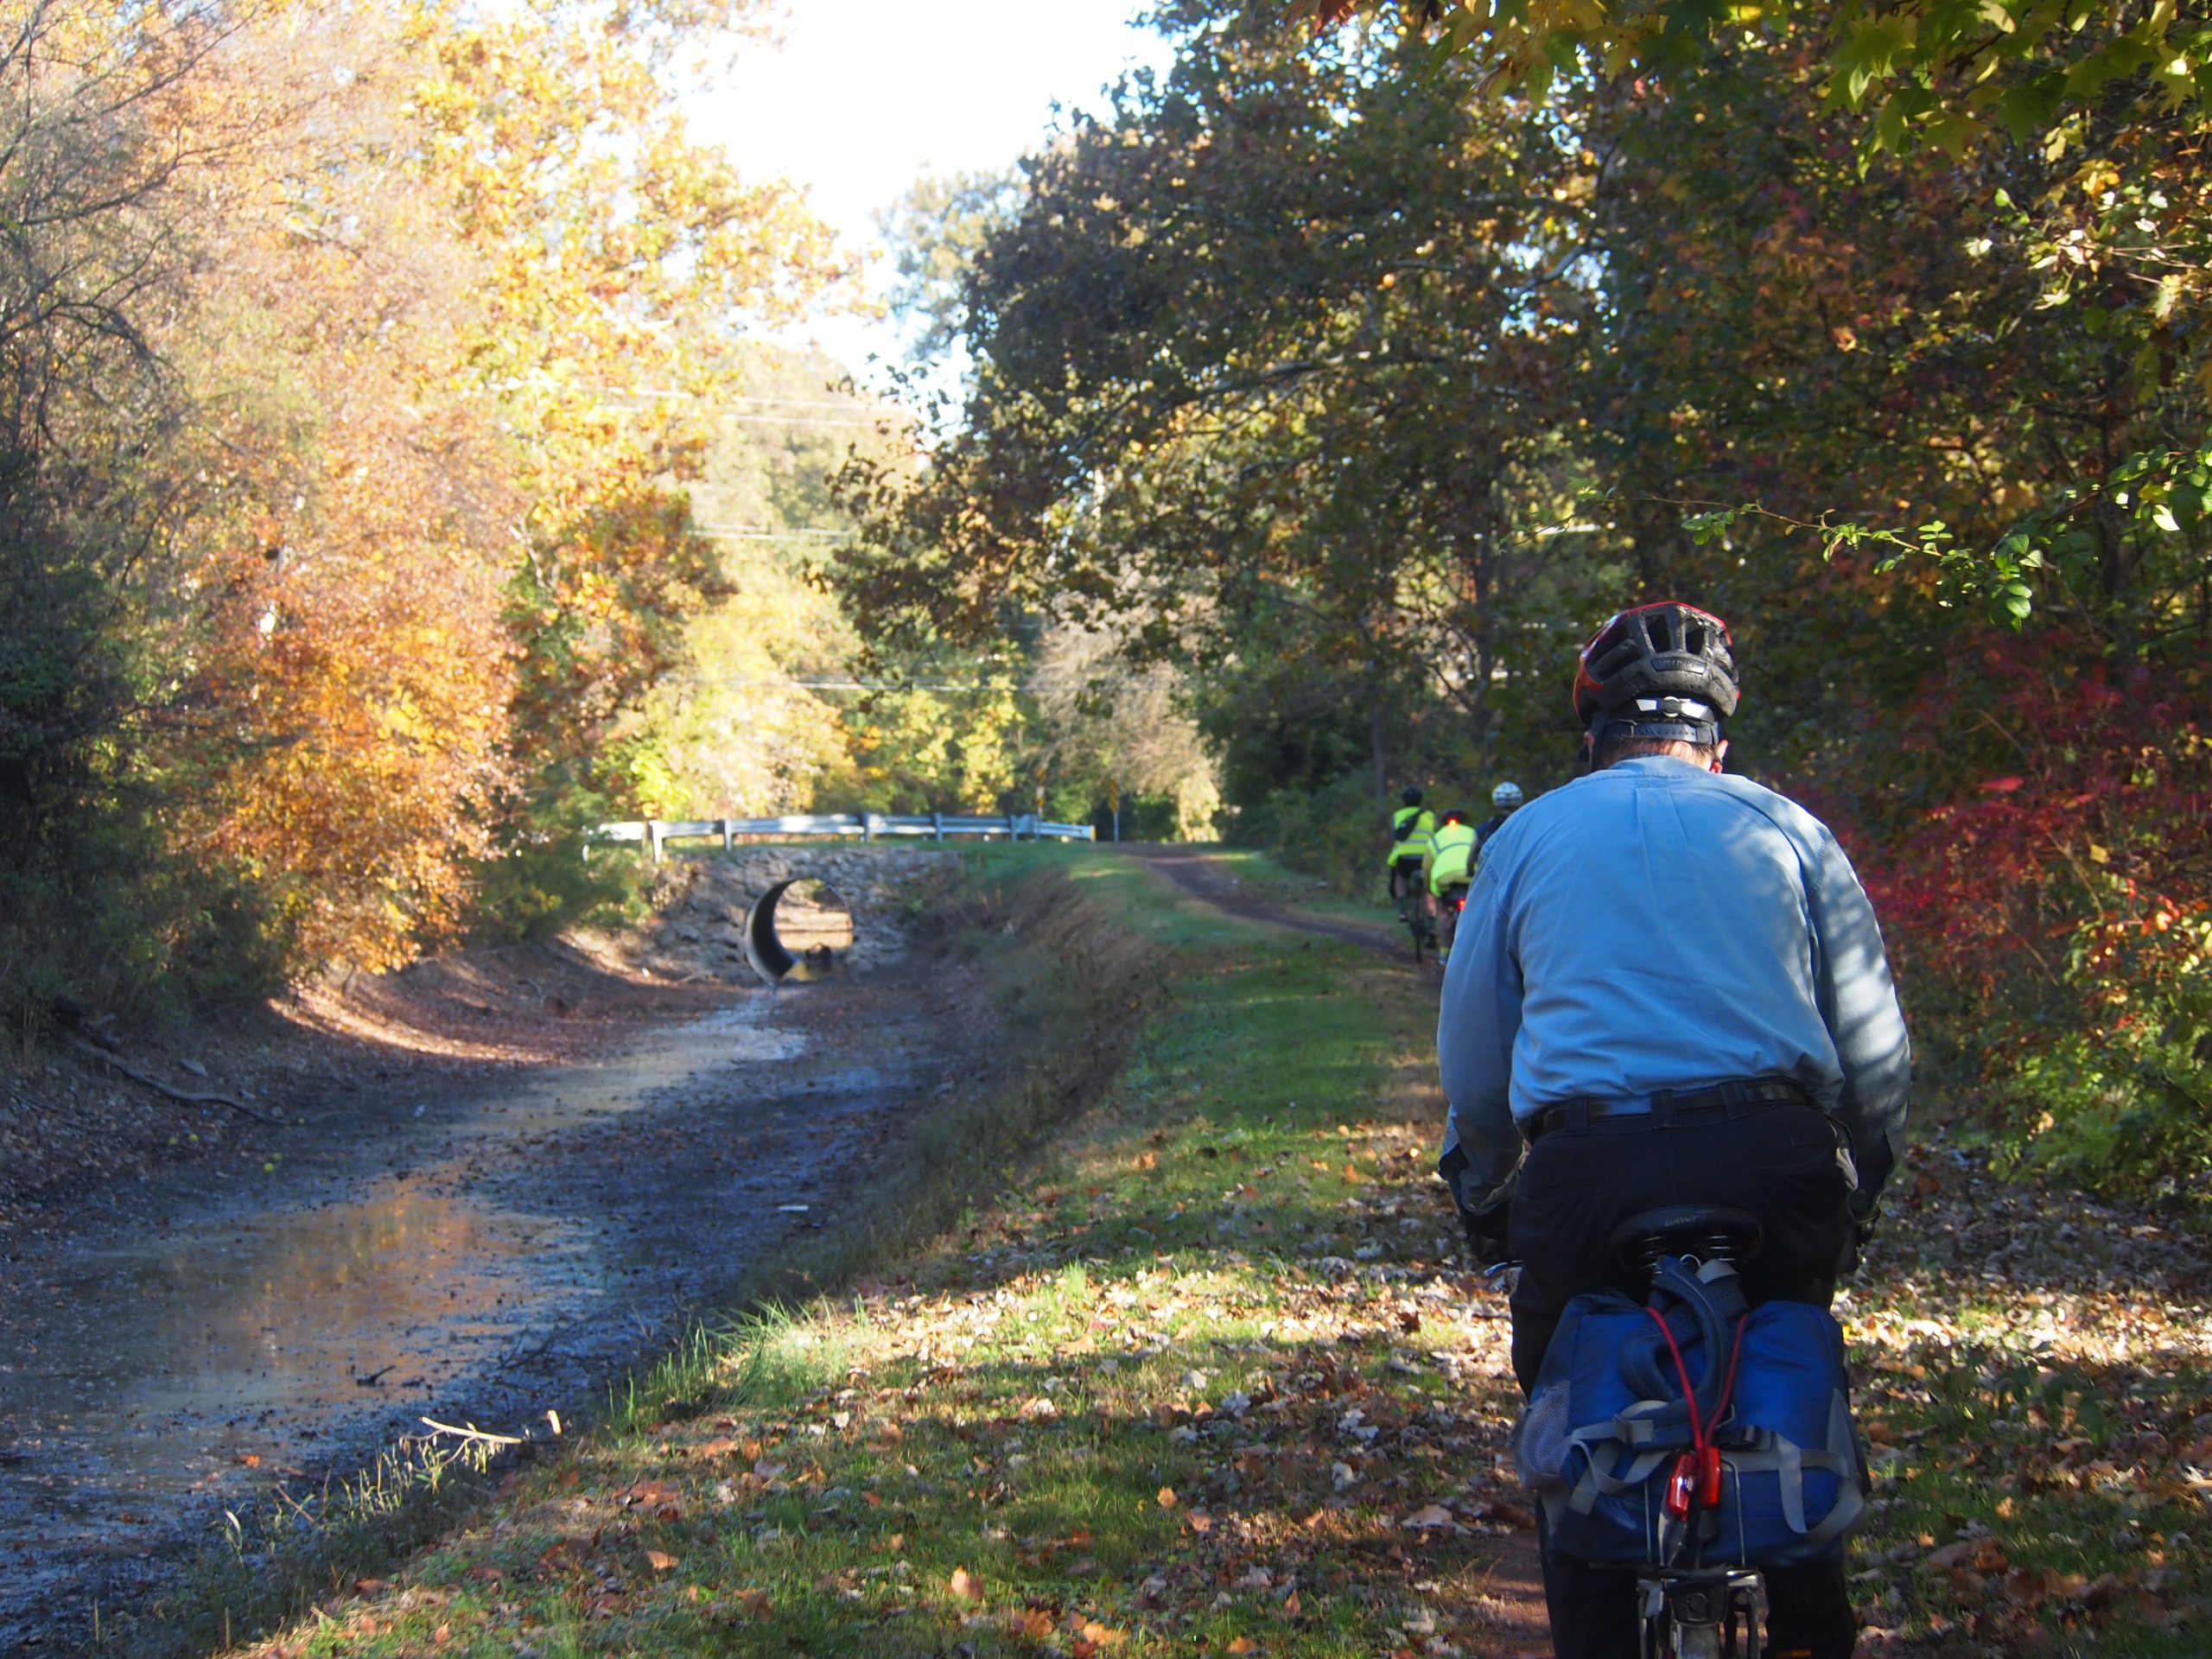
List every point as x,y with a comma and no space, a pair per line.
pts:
657,833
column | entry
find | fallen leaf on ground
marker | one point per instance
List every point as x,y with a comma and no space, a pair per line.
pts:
1505,1515
1983,1555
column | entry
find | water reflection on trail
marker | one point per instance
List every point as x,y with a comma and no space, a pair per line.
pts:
494,1260
258,1326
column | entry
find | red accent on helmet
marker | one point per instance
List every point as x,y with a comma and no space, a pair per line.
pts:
1663,649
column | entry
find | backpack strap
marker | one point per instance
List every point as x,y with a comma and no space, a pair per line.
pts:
1841,1458
1596,1482
1637,1426
1767,1452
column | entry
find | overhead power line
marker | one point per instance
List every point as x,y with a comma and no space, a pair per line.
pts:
767,533
801,420
800,402
670,395
840,685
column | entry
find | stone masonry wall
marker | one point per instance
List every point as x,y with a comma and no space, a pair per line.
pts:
700,900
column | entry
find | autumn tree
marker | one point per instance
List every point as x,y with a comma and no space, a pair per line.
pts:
95,177
1116,731
1265,379
1882,413
773,711
2103,109
935,231
350,535
1925,72
621,260
358,357
1821,344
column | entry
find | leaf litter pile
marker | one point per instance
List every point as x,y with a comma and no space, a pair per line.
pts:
1219,1380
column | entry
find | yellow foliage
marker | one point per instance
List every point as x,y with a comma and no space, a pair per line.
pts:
618,252
351,665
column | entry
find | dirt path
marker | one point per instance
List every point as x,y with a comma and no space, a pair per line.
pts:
1510,1600
1202,874
1983,1301
464,1236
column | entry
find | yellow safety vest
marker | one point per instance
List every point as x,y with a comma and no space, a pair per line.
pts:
1414,842
1452,862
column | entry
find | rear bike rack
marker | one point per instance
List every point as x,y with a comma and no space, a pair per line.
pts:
1713,1612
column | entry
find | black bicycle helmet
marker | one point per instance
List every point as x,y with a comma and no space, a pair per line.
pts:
1661,671
1410,795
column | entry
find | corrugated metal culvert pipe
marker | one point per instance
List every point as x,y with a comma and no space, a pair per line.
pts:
797,931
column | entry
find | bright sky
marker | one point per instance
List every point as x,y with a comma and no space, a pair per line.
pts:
865,96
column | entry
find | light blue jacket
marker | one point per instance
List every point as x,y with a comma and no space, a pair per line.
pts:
1658,927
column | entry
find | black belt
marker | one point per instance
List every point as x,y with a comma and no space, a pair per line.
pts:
1666,1106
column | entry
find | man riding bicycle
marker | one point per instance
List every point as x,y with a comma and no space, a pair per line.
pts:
1447,871
1411,826
1668,988
1505,800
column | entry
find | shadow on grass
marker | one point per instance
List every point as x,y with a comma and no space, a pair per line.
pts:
1309,1495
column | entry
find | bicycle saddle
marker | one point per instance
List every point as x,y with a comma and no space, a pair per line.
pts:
1707,1232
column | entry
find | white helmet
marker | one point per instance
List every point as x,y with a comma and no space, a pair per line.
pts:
1506,797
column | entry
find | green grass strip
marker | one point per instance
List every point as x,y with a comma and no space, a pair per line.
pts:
1207,1376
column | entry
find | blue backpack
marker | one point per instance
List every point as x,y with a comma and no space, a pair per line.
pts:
1693,1430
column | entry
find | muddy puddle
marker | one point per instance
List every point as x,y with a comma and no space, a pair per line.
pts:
485,1260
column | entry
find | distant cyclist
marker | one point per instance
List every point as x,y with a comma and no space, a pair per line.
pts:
1668,988
1451,867
1411,825
1505,800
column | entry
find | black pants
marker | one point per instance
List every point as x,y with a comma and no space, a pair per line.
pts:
1405,878
1777,1161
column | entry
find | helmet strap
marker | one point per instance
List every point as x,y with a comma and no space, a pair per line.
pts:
1672,722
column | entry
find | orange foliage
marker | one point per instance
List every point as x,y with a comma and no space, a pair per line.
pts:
351,671
620,258
460,286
